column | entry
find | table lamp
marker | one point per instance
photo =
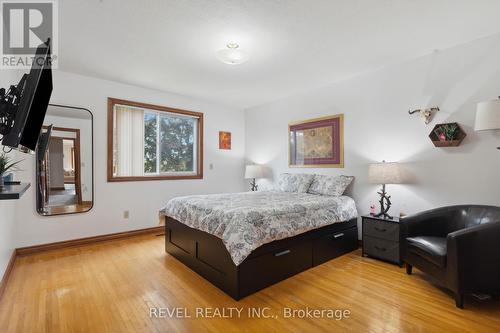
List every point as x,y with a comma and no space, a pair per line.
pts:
252,172
383,174
488,116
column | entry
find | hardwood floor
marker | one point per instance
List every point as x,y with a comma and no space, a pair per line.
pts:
111,286
68,209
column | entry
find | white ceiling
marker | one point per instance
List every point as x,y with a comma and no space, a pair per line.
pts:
295,45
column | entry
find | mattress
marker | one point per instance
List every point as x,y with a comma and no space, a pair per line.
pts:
248,220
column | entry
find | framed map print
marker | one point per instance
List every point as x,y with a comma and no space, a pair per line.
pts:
317,143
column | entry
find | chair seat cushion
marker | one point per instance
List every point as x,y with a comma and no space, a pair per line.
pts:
432,249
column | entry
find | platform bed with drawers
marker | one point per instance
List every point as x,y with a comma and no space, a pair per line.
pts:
270,263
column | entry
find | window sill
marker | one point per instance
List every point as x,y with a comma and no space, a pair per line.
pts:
146,178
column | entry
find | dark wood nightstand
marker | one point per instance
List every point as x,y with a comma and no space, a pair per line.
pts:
381,238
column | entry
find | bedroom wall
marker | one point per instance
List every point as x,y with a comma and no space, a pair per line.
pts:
378,127
7,207
143,199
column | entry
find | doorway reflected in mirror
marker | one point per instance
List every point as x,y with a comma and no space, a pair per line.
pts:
65,162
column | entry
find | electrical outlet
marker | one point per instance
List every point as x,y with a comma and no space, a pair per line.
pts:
126,214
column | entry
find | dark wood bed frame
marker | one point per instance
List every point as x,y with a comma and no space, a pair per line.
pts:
266,265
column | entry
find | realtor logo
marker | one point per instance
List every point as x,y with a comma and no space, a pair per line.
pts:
26,25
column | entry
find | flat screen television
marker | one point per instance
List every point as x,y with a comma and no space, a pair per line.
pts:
36,91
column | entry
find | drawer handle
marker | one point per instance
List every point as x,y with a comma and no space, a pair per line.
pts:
338,235
282,253
380,229
383,249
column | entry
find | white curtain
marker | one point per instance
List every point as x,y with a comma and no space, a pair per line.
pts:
130,141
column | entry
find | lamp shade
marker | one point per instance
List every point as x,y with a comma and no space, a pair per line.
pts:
385,173
488,115
254,171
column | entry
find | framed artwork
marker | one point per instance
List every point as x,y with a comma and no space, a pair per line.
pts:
225,140
317,143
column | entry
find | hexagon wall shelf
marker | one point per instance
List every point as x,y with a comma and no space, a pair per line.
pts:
447,143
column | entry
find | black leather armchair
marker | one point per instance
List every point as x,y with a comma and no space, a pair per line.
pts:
458,245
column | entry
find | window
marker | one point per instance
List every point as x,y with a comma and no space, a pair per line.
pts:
150,142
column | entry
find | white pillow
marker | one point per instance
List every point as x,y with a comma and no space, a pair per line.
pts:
330,185
295,182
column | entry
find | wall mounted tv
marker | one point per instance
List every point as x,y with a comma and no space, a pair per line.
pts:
23,107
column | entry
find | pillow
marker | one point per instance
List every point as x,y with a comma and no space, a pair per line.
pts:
330,185
295,182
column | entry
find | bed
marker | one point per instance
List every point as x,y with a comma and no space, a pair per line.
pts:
244,242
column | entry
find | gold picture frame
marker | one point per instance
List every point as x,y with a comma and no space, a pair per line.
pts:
317,142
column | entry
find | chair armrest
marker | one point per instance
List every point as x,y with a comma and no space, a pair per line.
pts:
428,223
473,257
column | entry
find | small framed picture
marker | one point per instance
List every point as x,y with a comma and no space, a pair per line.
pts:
225,140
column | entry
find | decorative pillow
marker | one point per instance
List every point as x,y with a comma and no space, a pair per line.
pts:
330,185
295,182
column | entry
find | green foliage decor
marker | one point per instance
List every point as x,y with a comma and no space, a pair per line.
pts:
450,131
7,164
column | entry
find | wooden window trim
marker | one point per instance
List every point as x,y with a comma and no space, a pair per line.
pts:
199,115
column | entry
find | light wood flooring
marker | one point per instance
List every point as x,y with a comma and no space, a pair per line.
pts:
111,286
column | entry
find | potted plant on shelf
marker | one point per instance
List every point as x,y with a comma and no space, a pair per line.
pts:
6,164
449,131
447,135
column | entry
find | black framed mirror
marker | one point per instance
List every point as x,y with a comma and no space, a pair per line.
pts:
65,162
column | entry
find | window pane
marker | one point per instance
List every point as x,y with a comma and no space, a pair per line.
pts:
177,144
150,137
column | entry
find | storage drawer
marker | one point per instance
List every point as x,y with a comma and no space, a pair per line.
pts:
269,268
178,235
335,244
379,229
381,248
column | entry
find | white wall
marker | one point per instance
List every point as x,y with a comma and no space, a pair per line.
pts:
377,127
7,207
142,199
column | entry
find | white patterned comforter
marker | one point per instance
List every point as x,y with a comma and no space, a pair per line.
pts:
245,221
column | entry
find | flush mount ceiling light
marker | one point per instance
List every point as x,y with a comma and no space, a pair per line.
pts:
232,55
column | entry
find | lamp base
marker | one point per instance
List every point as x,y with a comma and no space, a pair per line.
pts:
253,185
384,216
385,204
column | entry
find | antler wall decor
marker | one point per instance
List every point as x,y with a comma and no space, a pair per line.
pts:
425,114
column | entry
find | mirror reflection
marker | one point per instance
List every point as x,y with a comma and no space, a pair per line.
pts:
64,162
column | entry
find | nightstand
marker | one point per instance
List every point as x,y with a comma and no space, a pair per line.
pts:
381,238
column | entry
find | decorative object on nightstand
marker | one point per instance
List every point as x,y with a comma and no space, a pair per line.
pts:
488,116
253,172
381,238
447,135
383,174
